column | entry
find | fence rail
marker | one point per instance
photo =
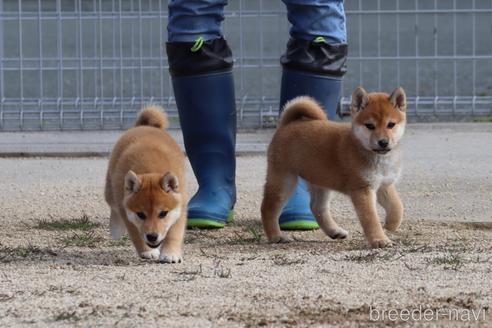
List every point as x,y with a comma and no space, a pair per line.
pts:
92,64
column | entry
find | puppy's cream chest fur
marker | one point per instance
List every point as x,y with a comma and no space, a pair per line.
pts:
383,170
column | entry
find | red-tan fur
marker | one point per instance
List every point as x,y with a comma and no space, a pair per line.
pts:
340,157
146,174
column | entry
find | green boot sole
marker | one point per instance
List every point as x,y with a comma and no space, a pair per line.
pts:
203,223
299,225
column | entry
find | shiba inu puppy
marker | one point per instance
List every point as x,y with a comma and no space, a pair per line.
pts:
360,159
145,188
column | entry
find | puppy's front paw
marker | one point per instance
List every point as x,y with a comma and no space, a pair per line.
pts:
283,238
153,254
338,233
381,243
170,257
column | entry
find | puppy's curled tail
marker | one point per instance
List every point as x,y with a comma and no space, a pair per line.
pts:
301,108
152,115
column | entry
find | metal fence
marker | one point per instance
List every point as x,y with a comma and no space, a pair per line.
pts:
91,64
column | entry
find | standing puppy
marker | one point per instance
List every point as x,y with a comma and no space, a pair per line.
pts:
145,188
361,160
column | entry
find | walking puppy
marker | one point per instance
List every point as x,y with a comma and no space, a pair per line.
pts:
145,188
361,160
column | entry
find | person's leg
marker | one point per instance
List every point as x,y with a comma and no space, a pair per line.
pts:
313,65
200,63
311,19
190,20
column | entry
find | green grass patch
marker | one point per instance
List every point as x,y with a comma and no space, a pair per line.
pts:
66,316
123,241
62,225
449,261
9,254
371,256
487,118
284,260
249,235
256,236
24,251
85,239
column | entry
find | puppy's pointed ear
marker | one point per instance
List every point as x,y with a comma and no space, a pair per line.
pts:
132,182
359,100
169,182
398,99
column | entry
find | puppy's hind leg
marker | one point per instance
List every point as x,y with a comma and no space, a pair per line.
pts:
320,206
278,188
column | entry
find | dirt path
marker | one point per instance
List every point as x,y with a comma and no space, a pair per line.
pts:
58,266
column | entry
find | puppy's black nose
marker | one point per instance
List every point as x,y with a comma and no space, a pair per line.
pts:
151,237
383,143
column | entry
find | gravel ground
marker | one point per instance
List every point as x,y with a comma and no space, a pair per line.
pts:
59,267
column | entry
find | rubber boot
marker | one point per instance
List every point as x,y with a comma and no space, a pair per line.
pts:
207,114
296,214
204,90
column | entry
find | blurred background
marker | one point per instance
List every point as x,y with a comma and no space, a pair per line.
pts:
91,64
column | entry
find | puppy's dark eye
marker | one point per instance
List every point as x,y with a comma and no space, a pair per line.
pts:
391,125
162,214
141,215
370,126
